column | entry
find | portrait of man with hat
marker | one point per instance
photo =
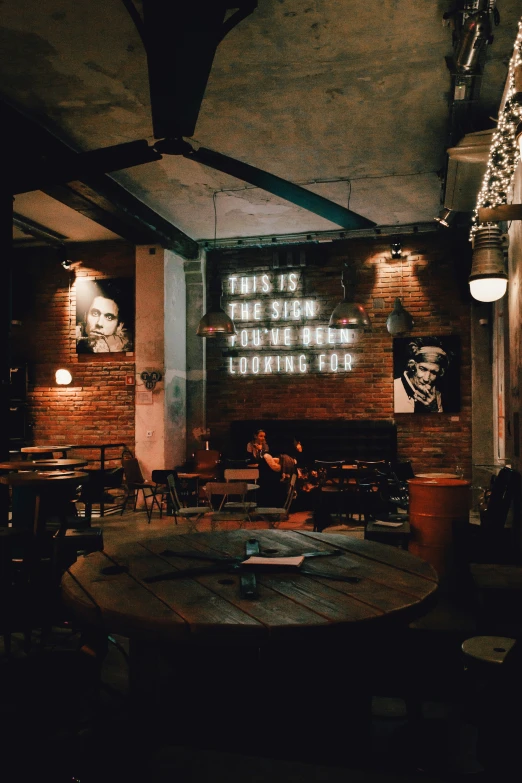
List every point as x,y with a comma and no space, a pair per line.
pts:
421,365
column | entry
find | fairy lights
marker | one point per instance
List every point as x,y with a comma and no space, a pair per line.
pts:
503,154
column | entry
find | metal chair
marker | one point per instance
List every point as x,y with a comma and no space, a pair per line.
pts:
191,513
332,486
136,483
228,510
273,515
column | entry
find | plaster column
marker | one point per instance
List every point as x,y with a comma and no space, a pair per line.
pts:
160,418
196,356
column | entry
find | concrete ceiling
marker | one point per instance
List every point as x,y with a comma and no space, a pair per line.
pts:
349,99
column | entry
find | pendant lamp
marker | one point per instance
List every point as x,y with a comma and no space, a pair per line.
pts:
399,320
349,314
488,279
215,322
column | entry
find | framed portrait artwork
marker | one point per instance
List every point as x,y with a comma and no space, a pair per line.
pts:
426,374
104,315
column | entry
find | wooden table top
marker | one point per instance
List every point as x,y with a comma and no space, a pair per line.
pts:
42,464
43,449
34,479
109,587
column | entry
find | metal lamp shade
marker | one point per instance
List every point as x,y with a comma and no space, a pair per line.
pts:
399,320
488,278
350,315
216,323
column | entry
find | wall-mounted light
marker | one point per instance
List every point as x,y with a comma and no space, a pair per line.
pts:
349,314
446,217
63,377
488,279
396,248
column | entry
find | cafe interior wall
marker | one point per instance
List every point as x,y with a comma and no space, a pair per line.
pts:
98,406
430,278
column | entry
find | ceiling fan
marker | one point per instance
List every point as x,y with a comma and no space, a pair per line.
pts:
180,43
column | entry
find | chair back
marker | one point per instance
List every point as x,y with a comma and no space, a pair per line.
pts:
132,470
224,489
330,474
290,493
173,492
206,463
499,502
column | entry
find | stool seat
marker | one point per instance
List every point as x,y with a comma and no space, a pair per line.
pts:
488,649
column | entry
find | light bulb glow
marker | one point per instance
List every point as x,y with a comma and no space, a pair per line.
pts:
488,289
63,377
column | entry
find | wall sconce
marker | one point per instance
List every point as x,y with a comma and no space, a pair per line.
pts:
348,314
396,248
488,279
150,379
446,217
63,377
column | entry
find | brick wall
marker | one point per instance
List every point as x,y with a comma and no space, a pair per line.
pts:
98,406
433,289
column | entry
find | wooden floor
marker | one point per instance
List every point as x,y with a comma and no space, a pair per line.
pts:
48,702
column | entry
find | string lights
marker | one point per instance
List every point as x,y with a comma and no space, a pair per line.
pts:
504,153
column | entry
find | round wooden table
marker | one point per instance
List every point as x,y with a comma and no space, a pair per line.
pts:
30,487
42,465
300,647
393,585
46,451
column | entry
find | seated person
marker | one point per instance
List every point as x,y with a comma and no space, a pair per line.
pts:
274,474
258,446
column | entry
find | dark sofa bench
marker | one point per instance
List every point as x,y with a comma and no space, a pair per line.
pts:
325,439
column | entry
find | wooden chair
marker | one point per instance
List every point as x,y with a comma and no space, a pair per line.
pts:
228,510
332,486
136,483
191,513
368,482
273,515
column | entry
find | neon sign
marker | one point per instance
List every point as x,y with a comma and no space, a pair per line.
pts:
279,329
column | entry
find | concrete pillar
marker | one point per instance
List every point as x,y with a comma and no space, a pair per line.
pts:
160,344
196,356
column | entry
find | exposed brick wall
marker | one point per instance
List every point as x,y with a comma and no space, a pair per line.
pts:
434,291
98,407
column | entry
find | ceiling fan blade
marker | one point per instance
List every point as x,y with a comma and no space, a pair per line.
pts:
281,187
79,165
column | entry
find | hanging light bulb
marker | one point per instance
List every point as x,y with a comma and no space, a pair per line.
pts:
348,314
488,279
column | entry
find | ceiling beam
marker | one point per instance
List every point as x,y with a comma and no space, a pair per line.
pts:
100,198
502,212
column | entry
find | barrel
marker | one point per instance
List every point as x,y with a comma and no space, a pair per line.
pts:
437,504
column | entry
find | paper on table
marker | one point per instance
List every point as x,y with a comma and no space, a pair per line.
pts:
293,562
385,523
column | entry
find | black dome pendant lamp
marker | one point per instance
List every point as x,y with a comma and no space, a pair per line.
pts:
399,320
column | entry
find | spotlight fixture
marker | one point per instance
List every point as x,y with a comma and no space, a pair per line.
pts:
446,217
63,377
67,264
396,248
488,279
348,314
